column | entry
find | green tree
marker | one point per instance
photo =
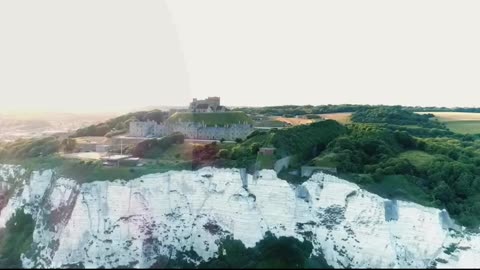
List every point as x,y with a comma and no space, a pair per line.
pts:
69,145
443,192
254,147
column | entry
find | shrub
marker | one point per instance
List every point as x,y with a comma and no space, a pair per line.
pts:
223,153
155,147
16,239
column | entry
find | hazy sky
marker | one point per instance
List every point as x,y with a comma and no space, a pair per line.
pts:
116,55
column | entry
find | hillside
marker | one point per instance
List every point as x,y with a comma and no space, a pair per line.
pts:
119,125
211,119
302,142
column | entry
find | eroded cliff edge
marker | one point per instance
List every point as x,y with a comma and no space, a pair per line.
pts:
121,223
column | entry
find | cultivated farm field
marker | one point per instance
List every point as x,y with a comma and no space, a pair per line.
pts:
459,122
294,121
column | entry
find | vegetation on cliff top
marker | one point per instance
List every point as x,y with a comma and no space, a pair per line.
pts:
154,148
302,142
390,151
28,148
443,171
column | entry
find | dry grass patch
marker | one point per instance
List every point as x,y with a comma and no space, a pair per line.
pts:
294,121
343,118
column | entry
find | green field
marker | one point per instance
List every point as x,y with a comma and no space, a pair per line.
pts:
464,127
328,160
211,119
418,159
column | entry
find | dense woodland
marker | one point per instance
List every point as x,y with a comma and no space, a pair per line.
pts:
395,116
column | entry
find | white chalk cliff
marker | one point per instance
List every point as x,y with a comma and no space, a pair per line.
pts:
130,223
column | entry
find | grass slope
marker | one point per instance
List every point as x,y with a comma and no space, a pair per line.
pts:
266,162
400,187
90,171
419,159
326,160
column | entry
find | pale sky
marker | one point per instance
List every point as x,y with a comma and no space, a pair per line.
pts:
97,55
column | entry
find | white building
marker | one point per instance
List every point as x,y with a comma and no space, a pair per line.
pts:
143,128
191,130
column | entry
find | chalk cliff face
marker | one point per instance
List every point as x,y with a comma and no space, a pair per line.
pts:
121,223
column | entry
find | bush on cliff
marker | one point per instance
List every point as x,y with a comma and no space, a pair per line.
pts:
154,148
15,239
271,252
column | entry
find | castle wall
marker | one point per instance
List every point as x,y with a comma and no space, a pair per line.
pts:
191,130
212,102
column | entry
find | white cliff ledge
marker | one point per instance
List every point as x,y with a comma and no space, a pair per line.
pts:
123,223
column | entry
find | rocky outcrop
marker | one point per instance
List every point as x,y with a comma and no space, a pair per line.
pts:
119,223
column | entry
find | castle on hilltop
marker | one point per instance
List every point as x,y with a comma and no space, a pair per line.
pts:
206,119
211,104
